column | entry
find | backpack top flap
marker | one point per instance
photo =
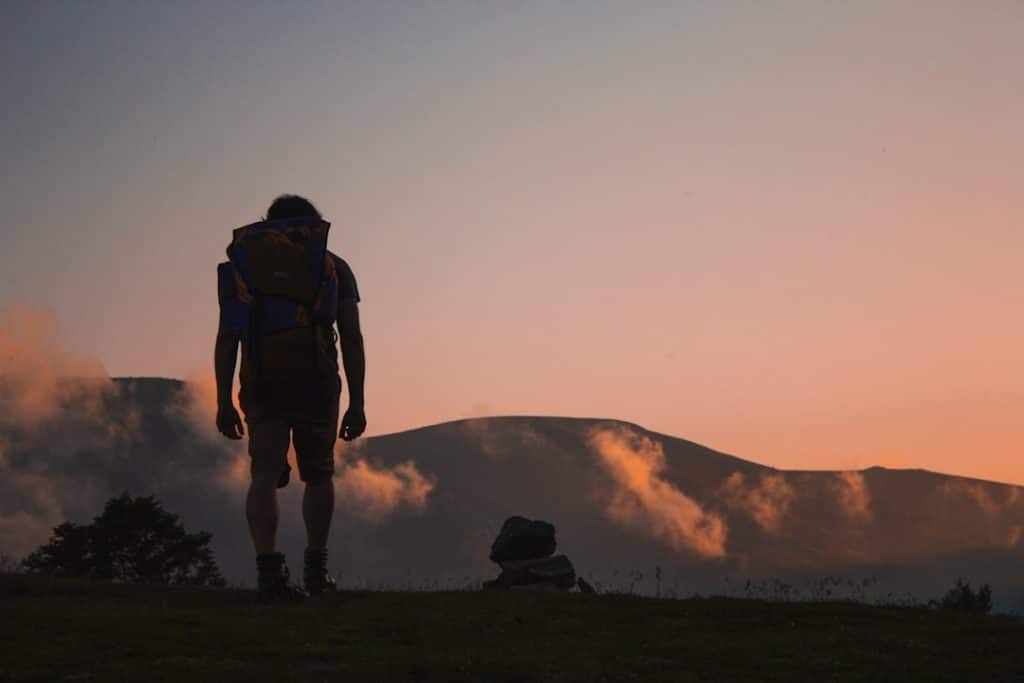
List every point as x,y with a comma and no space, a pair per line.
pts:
283,258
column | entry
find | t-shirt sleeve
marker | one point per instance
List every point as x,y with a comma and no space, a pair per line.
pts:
348,290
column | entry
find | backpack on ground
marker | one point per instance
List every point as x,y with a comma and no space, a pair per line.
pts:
523,539
545,573
279,293
523,550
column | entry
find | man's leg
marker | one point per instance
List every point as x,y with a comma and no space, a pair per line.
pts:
317,511
314,451
261,511
268,447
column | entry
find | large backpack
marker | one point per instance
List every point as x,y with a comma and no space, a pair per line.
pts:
523,539
285,295
523,549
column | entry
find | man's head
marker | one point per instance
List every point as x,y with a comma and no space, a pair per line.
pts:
291,206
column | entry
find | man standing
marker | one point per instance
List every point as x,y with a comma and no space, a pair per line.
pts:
280,294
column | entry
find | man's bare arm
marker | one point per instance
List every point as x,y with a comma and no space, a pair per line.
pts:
353,357
225,355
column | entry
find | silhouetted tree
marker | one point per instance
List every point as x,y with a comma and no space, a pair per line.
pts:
962,597
134,540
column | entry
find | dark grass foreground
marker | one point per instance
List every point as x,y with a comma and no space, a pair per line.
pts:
53,630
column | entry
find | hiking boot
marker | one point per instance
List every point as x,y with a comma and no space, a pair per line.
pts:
315,577
274,584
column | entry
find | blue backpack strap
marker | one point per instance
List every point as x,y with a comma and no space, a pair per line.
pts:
235,302
325,309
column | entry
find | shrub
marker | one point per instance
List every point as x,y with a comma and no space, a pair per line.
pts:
134,540
964,598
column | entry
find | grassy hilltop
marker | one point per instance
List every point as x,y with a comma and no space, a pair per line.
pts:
55,630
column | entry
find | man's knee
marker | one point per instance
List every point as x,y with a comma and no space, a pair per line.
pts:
316,466
318,478
268,448
314,451
264,480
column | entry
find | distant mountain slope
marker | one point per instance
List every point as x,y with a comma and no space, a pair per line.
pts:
421,507
776,522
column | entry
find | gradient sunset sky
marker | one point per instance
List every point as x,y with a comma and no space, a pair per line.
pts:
791,231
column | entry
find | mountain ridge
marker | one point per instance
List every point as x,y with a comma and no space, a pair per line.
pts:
420,507
180,384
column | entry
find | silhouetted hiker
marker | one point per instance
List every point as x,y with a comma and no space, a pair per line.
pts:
280,294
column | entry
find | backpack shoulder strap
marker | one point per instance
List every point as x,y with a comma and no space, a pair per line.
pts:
234,299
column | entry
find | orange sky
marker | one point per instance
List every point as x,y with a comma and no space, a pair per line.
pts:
790,233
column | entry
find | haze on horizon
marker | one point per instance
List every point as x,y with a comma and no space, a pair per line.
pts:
791,233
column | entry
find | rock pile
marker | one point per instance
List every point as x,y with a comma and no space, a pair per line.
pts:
524,549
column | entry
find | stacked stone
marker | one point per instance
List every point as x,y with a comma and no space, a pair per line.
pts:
524,549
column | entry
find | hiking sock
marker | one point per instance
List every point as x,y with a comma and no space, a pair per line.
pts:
315,576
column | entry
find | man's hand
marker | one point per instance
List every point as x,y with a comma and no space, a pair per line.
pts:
353,424
229,423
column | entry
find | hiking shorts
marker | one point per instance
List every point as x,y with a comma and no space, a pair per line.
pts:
314,448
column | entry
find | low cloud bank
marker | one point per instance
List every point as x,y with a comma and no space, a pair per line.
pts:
197,406
853,495
996,504
71,437
500,437
54,427
369,491
991,500
374,492
643,498
767,500
38,375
